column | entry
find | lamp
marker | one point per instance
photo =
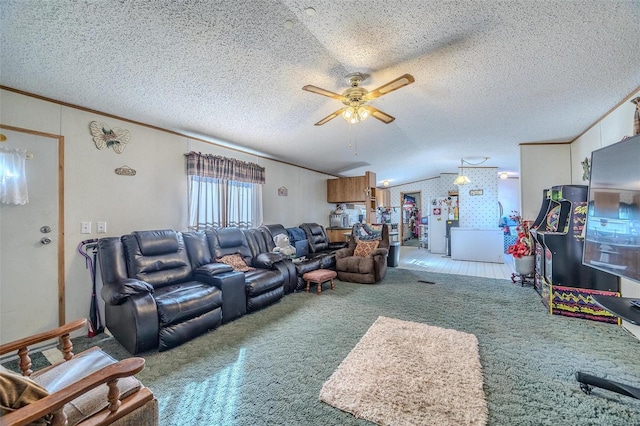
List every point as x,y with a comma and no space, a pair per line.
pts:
461,179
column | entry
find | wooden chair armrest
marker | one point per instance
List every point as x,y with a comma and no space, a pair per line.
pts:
22,345
56,401
42,337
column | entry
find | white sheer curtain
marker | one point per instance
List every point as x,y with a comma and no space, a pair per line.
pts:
215,203
13,178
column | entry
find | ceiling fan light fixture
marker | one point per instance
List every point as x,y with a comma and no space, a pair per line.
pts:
349,113
363,113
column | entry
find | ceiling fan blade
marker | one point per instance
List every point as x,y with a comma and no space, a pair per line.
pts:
390,86
323,92
382,116
330,117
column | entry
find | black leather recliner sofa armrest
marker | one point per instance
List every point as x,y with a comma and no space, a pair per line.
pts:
205,273
116,293
338,245
267,260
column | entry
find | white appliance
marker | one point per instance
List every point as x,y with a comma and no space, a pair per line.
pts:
479,245
440,210
339,220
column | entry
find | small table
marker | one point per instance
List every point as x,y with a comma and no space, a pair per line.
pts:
319,276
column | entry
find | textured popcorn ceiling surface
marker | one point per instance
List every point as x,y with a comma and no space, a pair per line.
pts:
489,75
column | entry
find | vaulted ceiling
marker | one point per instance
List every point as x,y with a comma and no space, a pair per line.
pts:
489,75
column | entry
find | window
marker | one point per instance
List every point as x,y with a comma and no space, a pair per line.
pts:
223,192
13,179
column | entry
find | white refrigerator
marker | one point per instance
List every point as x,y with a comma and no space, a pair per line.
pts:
441,209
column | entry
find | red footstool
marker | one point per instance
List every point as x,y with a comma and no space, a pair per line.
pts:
319,276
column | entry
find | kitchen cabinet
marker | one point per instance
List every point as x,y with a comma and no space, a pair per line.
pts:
358,189
383,197
346,190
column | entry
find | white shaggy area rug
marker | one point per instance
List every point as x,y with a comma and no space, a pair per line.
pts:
406,373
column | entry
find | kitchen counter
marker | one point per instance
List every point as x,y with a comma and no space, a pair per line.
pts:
337,233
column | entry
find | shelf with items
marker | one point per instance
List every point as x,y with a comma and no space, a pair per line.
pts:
424,235
370,197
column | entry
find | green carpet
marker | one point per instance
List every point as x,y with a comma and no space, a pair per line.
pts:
267,368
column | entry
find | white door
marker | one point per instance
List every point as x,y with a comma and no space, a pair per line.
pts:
29,294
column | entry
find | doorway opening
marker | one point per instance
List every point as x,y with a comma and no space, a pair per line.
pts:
410,219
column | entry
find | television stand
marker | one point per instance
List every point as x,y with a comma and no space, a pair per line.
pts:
621,307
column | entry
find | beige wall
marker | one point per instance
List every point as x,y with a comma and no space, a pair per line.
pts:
156,197
542,166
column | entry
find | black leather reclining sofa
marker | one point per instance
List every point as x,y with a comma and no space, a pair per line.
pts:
162,288
319,253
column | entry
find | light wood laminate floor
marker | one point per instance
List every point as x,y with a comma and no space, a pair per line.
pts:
422,259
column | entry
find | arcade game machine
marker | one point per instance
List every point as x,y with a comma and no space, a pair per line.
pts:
566,285
540,223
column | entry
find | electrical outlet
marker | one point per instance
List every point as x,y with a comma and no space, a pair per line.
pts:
85,228
102,227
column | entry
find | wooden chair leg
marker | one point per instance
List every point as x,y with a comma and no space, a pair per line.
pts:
307,289
332,286
319,287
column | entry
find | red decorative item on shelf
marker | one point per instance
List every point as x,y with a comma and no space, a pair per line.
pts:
524,244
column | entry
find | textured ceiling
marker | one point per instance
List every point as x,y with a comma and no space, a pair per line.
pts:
489,75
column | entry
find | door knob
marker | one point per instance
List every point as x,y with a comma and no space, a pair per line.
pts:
46,240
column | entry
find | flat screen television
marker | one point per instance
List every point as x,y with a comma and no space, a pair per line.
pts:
612,236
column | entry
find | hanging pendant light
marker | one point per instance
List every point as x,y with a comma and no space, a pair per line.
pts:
461,179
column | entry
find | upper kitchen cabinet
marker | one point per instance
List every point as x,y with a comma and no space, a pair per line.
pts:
356,189
383,197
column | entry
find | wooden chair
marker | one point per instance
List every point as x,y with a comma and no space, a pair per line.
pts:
71,383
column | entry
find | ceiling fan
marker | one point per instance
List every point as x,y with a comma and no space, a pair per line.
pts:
356,99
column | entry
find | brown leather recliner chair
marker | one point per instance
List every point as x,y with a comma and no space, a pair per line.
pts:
370,266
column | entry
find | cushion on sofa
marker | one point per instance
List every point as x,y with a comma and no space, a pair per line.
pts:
296,234
197,248
180,302
368,232
364,248
153,243
236,261
17,391
77,368
260,281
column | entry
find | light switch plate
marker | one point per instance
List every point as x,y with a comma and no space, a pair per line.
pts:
85,228
102,227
